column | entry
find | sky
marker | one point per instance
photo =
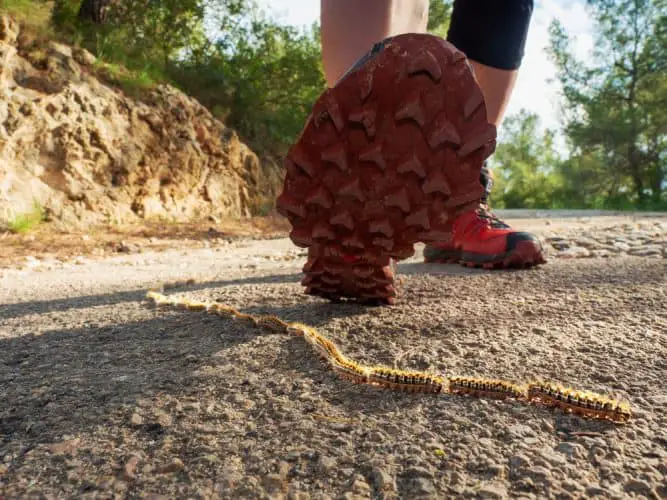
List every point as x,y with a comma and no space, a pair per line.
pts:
533,90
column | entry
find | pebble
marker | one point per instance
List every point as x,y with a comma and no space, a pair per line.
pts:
586,242
422,486
163,419
572,450
274,482
538,472
418,472
359,485
66,447
492,490
645,251
639,487
326,464
175,465
130,468
621,246
574,253
382,480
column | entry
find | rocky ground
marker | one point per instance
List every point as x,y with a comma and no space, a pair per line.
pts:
104,396
80,151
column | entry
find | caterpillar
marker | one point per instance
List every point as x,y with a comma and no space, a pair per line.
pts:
487,388
583,403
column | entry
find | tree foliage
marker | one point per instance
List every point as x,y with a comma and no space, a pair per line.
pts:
525,165
257,75
262,78
615,106
439,15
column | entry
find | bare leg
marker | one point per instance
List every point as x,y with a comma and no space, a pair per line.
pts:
497,86
351,27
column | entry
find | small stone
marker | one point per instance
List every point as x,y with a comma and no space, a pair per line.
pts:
492,490
418,472
130,468
230,479
572,450
575,253
645,251
136,419
586,242
520,430
83,57
283,468
206,428
359,485
621,246
640,487
422,486
594,491
382,480
326,464
163,419
129,248
274,483
208,458
176,465
192,406
538,472
66,447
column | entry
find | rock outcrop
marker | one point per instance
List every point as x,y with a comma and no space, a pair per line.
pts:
87,153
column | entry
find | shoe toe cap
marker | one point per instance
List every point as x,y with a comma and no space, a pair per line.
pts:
514,238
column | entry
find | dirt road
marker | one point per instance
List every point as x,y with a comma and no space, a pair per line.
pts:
102,396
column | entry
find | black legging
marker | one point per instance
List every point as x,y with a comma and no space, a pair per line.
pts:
491,32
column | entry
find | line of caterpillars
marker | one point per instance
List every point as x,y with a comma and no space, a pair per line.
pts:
583,403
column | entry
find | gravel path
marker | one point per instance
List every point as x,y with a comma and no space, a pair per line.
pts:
103,396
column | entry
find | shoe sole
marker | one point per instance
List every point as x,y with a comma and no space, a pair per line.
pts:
387,158
525,255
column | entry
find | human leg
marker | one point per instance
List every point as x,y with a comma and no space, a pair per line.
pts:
349,28
390,154
492,34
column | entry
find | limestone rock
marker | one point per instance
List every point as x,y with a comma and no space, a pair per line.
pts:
88,153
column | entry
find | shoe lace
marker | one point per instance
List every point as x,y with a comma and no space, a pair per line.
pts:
484,212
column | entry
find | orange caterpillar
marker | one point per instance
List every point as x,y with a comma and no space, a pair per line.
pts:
586,404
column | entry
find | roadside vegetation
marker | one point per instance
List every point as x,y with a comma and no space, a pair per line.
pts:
261,77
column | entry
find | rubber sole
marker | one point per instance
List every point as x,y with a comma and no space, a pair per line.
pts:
526,254
387,158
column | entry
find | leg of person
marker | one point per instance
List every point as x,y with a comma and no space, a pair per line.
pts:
492,34
349,28
390,153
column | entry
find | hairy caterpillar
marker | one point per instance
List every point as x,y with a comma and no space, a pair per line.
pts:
583,403
407,381
486,388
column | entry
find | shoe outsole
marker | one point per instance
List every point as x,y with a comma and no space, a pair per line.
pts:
387,158
525,255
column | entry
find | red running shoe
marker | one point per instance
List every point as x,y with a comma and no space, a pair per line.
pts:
480,239
387,158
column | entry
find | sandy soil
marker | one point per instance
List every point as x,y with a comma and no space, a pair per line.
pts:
47,242
103,396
